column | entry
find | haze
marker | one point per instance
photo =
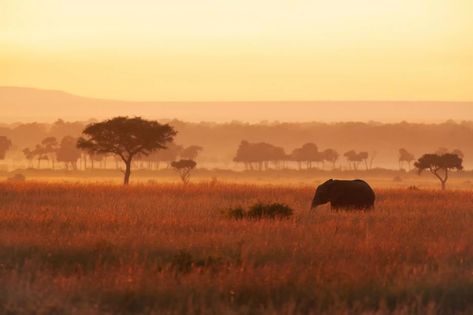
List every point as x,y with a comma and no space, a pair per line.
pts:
278,50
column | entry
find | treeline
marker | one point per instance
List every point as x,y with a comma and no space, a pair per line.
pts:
221,141
264,155
49,152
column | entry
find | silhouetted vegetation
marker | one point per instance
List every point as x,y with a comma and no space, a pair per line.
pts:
191,152
126,138
261,211
259,155
354,159
68,152
438,164
405,156
184,168
279,145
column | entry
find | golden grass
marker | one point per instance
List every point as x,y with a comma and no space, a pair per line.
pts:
167,249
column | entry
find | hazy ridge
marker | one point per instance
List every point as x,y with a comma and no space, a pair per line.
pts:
29,104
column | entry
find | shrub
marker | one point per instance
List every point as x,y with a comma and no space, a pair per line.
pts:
272,211
237,213
261,211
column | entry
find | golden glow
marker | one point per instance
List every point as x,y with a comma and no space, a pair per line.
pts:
241,50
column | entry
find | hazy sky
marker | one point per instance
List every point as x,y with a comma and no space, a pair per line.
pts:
241,49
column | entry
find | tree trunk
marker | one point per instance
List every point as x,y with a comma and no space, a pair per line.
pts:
443,180
126,180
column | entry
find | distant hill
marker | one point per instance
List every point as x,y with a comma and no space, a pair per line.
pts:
29,104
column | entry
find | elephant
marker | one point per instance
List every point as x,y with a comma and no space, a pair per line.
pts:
345,194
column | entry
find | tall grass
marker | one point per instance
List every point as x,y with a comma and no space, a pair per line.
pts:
168,249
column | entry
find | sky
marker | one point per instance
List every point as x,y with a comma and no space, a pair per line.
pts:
221,50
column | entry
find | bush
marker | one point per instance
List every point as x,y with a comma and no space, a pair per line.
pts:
236,213
272,211
261,211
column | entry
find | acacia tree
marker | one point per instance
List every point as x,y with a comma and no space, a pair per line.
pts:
438,164
126,138
184,168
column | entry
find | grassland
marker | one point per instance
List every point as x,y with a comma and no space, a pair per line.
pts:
168,249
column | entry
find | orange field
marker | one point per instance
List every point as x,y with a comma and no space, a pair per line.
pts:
169,249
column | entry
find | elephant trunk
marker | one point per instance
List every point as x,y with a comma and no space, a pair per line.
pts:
315,203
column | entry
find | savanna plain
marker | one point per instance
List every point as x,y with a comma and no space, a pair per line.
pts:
83,248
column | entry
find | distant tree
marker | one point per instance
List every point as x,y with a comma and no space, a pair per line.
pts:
352,158
29,155
259,155
68,153
356,158
244,154
167,155
363,156
94,157
438,164
330,155
184,168
50,146
61,129
5,145
277,155
39,152
190,152
308,153
405,156
372,157
127,138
